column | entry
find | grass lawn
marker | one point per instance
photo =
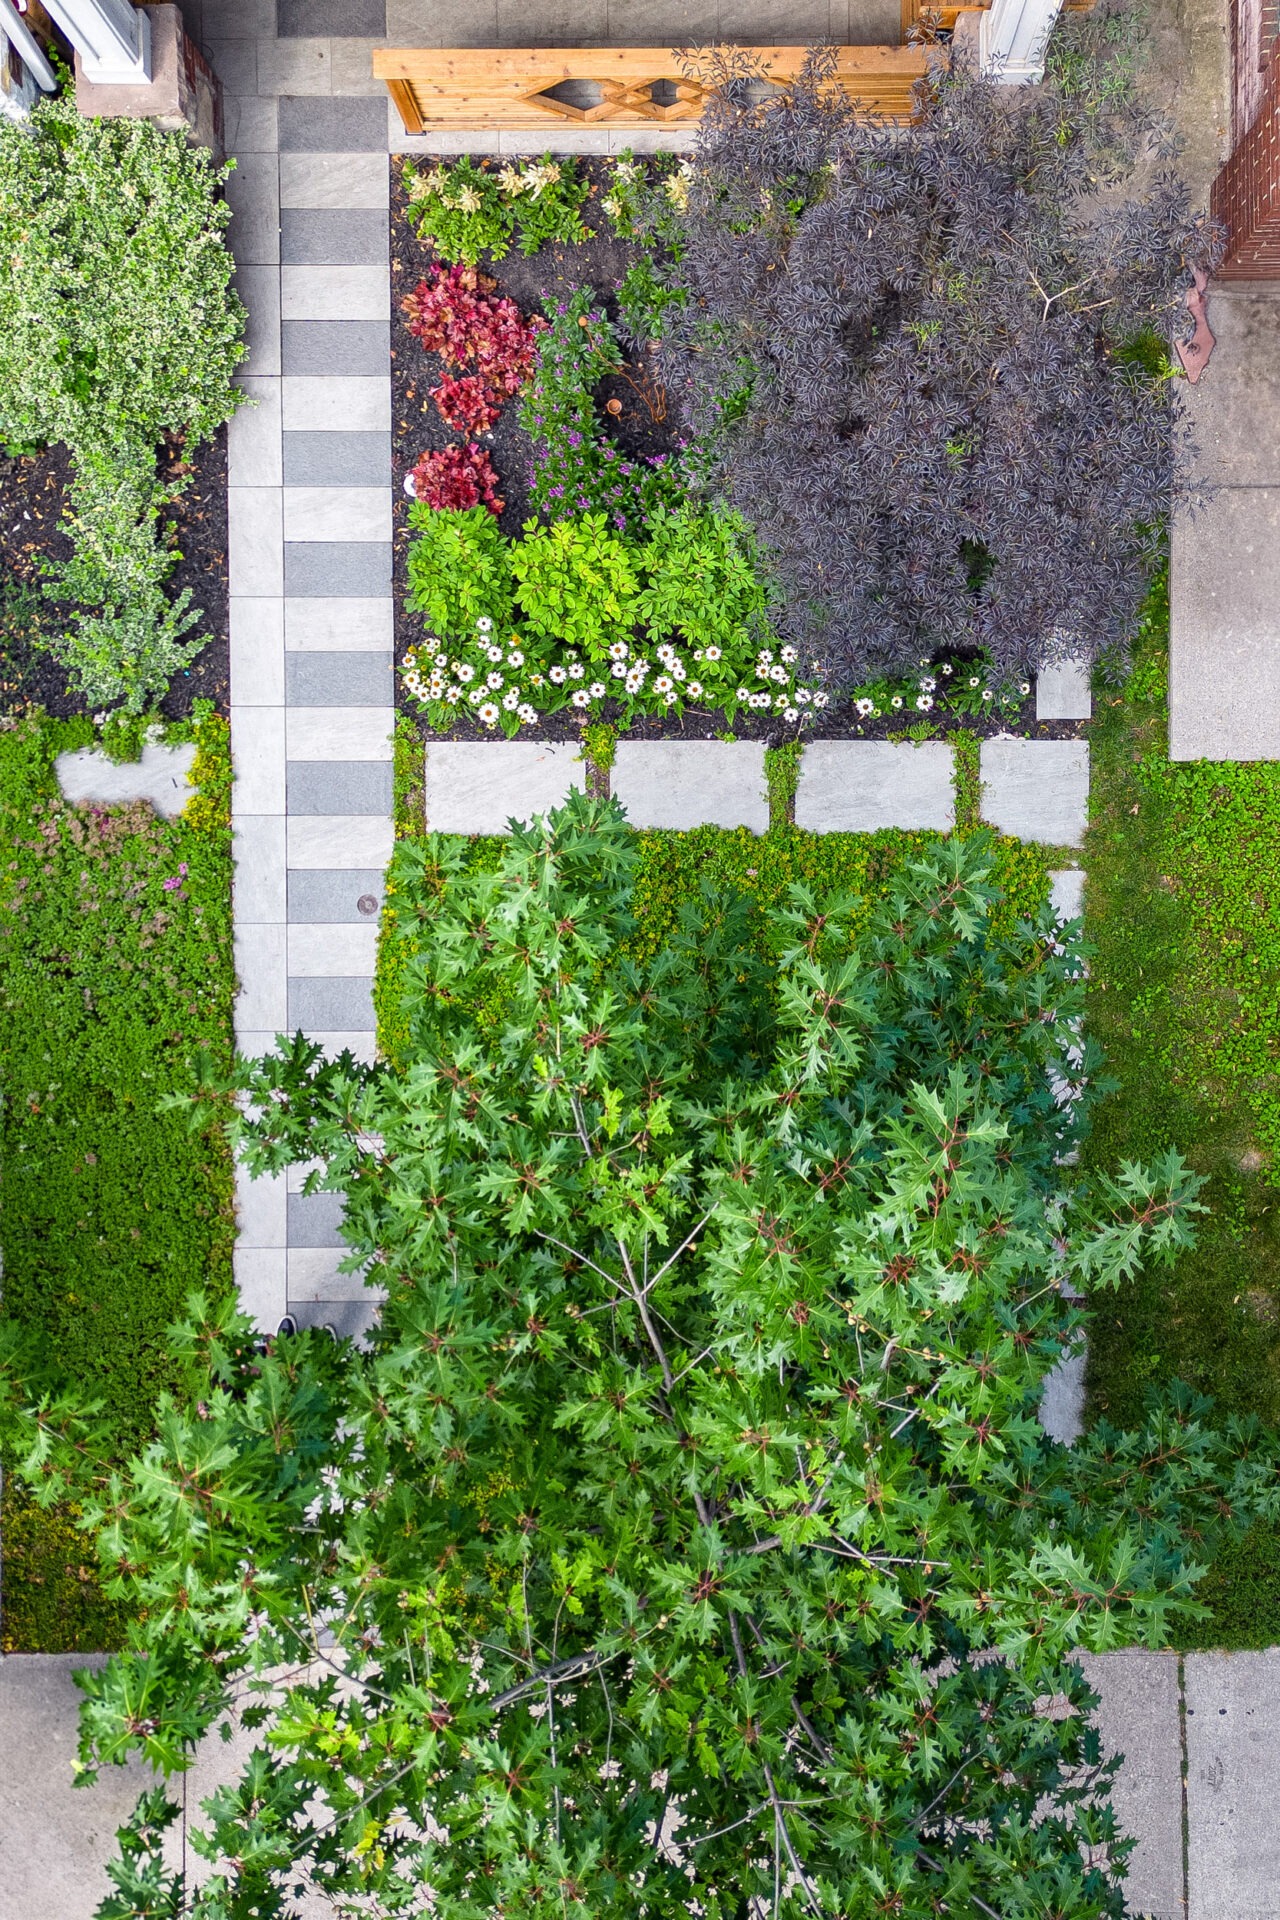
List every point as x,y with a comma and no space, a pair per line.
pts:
1183,909
111,1210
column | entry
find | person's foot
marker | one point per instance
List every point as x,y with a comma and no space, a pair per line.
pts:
287,1326
327,1326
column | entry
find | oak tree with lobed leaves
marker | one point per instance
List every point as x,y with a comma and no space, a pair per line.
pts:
684,1541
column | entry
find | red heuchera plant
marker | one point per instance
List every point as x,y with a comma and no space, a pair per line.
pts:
453,314
466,403
457,478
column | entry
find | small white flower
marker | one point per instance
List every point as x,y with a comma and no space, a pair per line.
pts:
782,700
973,680
597,689
557,675
610,1770
493,681
453,695
759,700
441,660
946,669
576,670
527,714
762,671
494,654
618,669
663,683
511,699
619,650
742,694
789,655
766,656
819,699
671,697
804,696
791,716
713,653
489,713
1024,686
779,674
677,669
581,698
465,671
484,624
515,658
695,689
476,695
896,701
927,684
634,681
536,680
924,703
863,707
986,693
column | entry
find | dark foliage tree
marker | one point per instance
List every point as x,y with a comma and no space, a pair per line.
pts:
685,1542
926,363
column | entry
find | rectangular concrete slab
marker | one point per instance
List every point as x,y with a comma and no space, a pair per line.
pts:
255,564
333,894
331,1003
481,786
1138,1717
1037,789
355,347
1233,1785
258,847
253,436
334,293
341,236
351,840
343,947
329,569
694,783
257,652
1063,692
338,786
260,1272
1234,409
361,514
328,625
333,179
335,459
314,1276
338,733
1224,635
1066,892
333,126
315,1219
330,404
861,786
339,679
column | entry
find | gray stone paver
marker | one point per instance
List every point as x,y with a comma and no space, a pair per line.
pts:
861,786
322,346
1036,789
341,513
338,786
1233,1785
479,787
1063,692
327,896
1066,892
336,459
1138,1717
696,783
160,776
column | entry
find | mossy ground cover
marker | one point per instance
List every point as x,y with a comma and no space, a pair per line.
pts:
115,967
1183,909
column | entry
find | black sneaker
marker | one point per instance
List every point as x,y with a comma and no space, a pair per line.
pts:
288,1326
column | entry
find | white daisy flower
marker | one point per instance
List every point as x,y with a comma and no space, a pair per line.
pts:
515,658
863,707
819,699
663,683
484,624
581,698
476,695
465,671
635,681
576,670
803,696
973,680
677,669
695,689
511,699
791,716
924,703
742,694
619,650
441,660
618,669
986,693
557,675
597,689
779,674
453,695
946,669
789,655
766,656
493,681
494,654
526,714
928,684
713,653
896,701
489,713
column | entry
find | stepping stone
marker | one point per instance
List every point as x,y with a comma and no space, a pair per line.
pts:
859,786
1036,789
1233,1785
692,783
481,786
1063,692
1066,892
88,778
1138,1717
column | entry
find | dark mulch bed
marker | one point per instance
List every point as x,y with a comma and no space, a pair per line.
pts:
417,427
32,498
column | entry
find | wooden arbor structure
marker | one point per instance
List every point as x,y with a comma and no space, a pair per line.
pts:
521,89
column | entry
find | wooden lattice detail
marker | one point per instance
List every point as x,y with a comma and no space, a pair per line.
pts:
519,88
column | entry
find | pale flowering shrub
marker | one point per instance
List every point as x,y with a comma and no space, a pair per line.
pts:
949,687
469,208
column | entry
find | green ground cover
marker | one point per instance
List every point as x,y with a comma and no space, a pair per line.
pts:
1183,910
115,966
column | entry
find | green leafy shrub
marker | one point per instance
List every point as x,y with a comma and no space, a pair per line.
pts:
117,325
547,196
459,569
645,304
460,209
115,969
948,687
647,199
577,583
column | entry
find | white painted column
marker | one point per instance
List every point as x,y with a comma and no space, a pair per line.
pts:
1012,37
112,37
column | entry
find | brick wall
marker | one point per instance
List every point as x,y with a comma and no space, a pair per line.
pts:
1246,194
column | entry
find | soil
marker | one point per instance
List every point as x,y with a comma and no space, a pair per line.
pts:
32,500
417,427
